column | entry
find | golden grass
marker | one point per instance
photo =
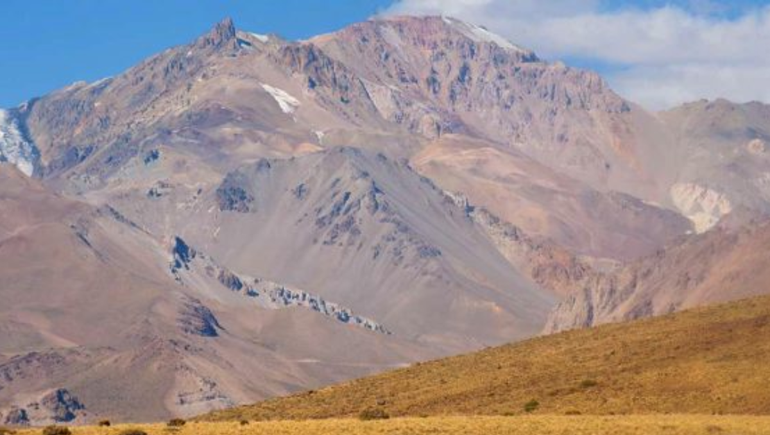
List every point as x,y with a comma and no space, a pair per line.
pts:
714,360
523,425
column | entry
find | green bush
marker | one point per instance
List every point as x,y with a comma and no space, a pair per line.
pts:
176,422
373,414
531,406
56,430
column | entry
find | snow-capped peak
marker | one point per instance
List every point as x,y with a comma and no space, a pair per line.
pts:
480,34
14,147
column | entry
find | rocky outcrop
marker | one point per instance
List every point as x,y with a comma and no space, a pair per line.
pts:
222,36
199,320
50,407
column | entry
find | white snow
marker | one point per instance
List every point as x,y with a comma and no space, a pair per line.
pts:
480,34
285,100
261,38
14,148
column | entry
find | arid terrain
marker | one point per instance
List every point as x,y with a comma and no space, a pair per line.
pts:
244,217
701,361
529,425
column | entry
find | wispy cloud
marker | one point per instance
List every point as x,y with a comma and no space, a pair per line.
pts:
660,53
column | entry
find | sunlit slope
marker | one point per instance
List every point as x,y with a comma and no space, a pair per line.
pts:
704,361
525,425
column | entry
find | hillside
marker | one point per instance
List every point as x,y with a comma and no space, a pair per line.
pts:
91,306
720,265
703,361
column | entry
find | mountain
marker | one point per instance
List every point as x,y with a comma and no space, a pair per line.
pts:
701,361
393,86
249,216
722,158
723,264
96,321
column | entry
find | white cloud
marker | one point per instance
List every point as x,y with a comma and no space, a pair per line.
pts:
661,56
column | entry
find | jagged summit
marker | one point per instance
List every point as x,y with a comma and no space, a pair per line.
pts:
222,35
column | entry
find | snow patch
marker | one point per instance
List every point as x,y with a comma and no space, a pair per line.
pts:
261,38
14,147
285,100
480,34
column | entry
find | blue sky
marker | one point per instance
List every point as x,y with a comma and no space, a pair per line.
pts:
659,52
48,44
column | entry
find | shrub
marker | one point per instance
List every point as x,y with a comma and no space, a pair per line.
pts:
105,423
373,414
132,431
6,431
572,412
176,422
588,383
531,405
56,430
244,422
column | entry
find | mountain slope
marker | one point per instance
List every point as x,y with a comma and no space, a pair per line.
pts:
703,361
92,307
721,150
543,202
720,265
363,230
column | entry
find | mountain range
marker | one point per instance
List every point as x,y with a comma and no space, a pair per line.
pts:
245,216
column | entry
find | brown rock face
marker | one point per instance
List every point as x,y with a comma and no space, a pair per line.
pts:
721,265
222,36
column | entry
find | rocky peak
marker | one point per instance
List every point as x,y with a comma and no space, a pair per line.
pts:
221,36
